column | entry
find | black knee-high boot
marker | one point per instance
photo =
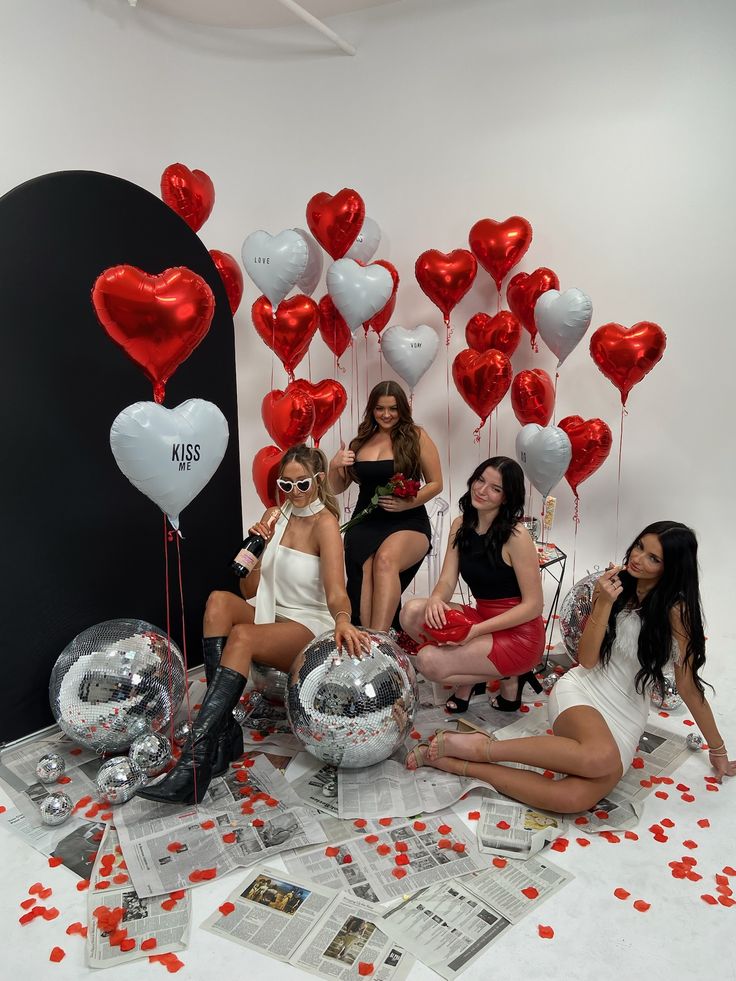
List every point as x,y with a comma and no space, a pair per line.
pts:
187,783
230,741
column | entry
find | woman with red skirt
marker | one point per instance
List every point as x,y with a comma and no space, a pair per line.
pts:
502,636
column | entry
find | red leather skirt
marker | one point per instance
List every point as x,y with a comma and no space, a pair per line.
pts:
517,649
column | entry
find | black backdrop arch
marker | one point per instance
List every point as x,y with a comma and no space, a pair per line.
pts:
79,543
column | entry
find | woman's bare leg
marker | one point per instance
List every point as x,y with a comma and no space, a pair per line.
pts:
276,644
460,665
412,617
223,611
400,551
366,592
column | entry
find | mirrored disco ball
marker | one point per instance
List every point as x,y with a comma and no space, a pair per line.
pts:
694,741
50,767
118,779
668,699
349,712
182,732
549,681
151,752
575,610
56,808
269,682
114,682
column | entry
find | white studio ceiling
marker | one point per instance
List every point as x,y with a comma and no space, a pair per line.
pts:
251,13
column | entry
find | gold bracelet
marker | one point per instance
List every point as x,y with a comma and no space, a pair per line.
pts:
711,753
342,613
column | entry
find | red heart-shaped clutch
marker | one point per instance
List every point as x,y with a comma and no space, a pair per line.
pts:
456,628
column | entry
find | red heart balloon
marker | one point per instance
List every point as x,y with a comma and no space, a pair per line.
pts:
446,278
626,354
335,221
190,193
482,378
157,320
265,471
591,443
383,316
523,292
499,245
456,628
533,397
290,333
329,399
288,416
231,276
501,332
335,332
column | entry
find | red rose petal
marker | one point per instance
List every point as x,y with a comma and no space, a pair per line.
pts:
415,735
458,847
499,863
581,820
370,839
365,968
559,845
721,880
75,928
610,837
347,859
683,788
637,763
583,842
401,859
257,823
27,903
444,843
503,825
631,835
383,850
104,884
36,888
169,904
473,815
420,826
704,823
50,914
724,890
665,715
688,722
601,815
524,708
398,873
662,794
401,846
688,798
360,822
711,779
385,822
726,901
227,908
331,851
712,786
54,860
641,906
82,885
207,825
689,860
530,892
545,932
728,870
666,823
149,944
445,829
621,893
174,846
661,837
710,900
689,843
549,774
57,954
127,944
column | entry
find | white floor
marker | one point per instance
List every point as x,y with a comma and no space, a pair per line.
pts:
596,935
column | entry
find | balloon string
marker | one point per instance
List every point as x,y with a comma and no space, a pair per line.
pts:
495,428
576,522
184,650
380,357
365,359
498,302
618,479
449,441
168,631
554,406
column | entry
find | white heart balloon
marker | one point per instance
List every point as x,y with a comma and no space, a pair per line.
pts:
562,319
169,454
275,262
307,282
544,453
410,350
366,244
358,292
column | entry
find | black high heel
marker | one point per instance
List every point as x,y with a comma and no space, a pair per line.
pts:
230,740
461,704
502,704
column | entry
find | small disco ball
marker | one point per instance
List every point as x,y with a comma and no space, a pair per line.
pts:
270,683
115,681
118,780
182,732
239,714
151,752
50,767
347,711
549,681
56,808
575,610
668,699
694,741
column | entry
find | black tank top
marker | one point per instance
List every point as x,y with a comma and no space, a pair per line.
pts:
487,578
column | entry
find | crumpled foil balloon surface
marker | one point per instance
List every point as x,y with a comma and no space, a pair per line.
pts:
575,610
115,681
352,712
667,699
50,767
118,780
56,808
151,752
269,682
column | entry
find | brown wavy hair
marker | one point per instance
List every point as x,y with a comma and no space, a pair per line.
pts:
404,435
315,463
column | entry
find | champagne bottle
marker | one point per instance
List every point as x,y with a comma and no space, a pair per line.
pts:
251,550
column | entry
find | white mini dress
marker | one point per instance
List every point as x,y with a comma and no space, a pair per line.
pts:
611,689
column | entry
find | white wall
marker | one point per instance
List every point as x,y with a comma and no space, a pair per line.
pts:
608,125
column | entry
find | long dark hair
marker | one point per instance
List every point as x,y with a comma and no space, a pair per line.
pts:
510,512
677,588
404,435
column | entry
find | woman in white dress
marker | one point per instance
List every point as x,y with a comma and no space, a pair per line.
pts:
298,591
646,617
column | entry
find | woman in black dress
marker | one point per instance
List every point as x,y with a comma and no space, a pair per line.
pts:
384,551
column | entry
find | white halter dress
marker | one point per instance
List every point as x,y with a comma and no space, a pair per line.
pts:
611,689
290,587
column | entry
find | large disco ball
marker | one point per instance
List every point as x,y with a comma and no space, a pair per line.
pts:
115,681
269,682
347,711
575,610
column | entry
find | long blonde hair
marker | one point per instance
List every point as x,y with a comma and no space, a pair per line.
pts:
315,463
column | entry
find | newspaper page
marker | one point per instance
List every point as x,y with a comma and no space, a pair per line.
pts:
318,786
75,842
350,936
121,925
168,848
515,830
403,857
265,726
450,925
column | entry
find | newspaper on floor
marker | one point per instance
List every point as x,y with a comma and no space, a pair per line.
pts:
450,925
403,857
265,726
123,926
169,847
304,924
515,830
75,842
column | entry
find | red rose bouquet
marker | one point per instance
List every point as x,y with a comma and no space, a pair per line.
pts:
398,486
